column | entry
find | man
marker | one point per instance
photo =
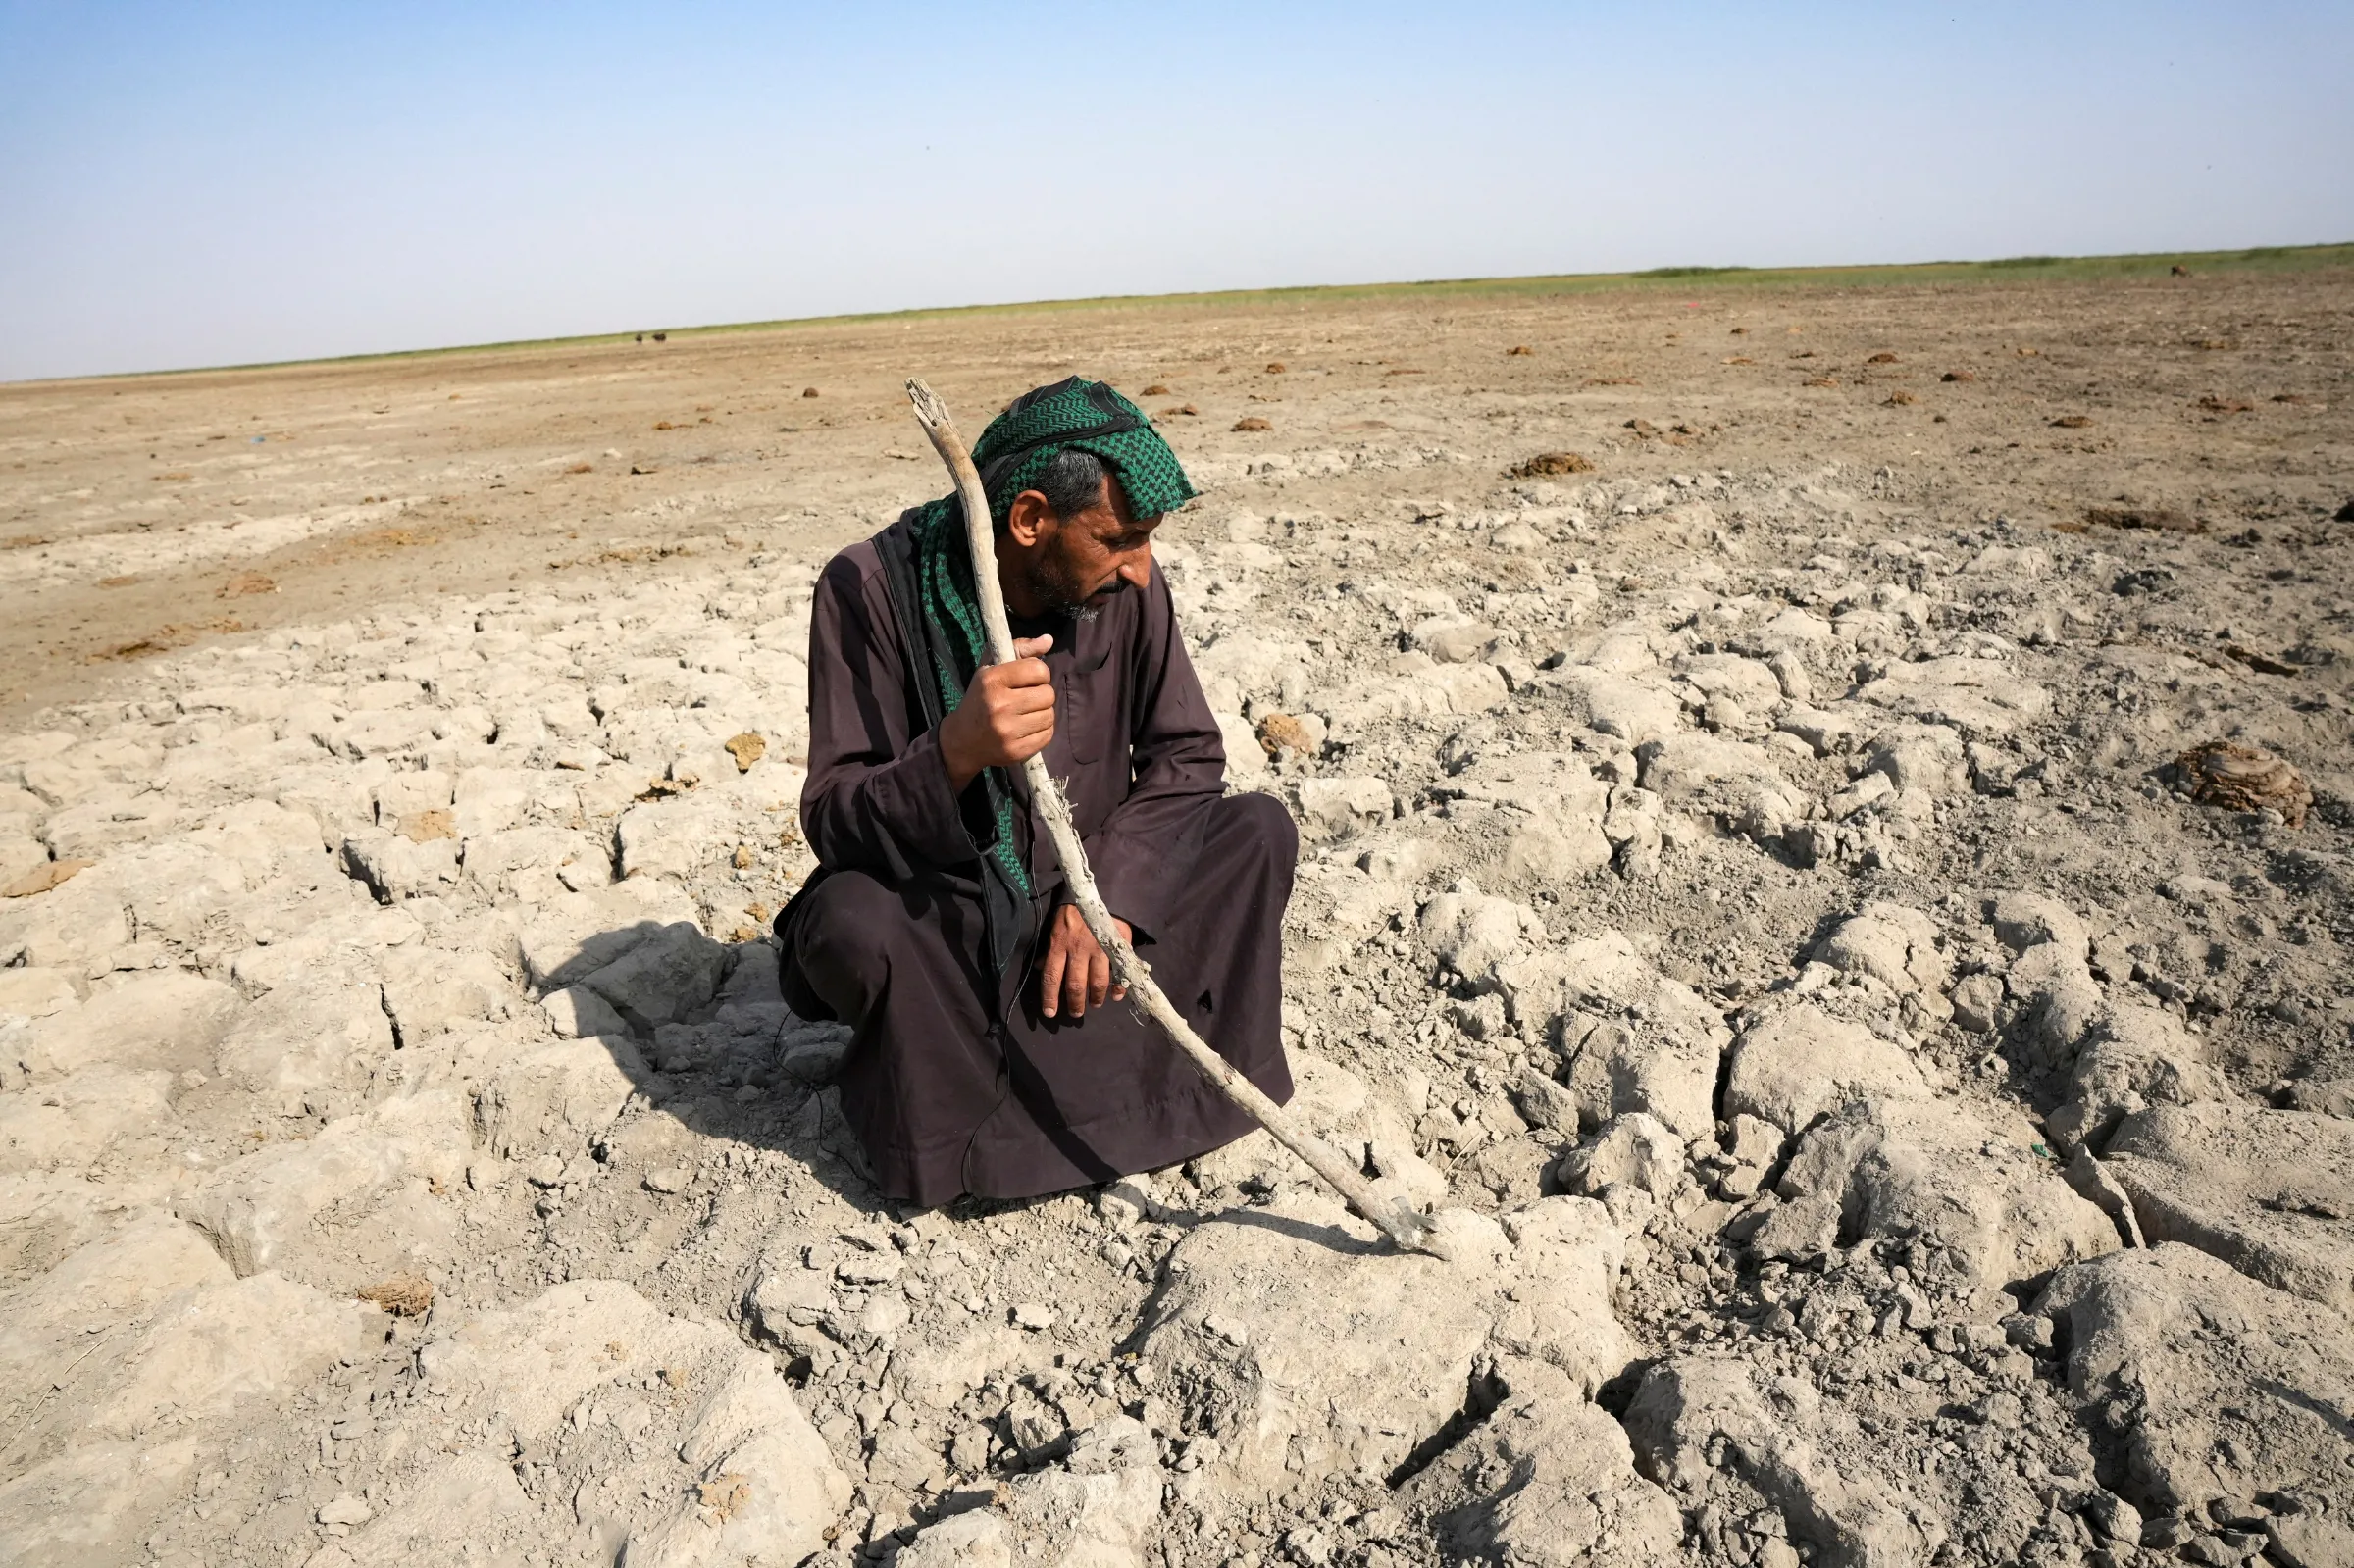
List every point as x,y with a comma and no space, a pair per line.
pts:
984,1057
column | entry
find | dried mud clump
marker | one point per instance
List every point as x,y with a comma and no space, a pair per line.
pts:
1251,422
1546,464
2237,777
40,878
1157,389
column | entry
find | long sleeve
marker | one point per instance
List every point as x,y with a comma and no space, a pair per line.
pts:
1143,853
876,799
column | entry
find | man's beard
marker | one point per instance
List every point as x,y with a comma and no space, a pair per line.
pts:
1055,584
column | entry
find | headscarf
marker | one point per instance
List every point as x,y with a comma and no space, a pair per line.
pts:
1072,415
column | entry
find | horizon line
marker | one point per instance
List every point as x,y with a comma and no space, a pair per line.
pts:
2257,257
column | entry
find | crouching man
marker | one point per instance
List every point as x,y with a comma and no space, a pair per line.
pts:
984,1057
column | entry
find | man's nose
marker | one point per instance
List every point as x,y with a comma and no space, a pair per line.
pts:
1135,567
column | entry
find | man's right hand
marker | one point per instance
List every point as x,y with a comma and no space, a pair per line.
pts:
1007,715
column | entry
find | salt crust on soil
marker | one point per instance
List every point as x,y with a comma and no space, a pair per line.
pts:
1752,909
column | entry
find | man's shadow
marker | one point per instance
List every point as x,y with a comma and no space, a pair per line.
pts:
702,1032
706,1040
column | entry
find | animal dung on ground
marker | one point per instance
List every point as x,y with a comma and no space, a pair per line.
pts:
1547,464
2237,777
1279,733
424,827
746,748
2148,519
406,1295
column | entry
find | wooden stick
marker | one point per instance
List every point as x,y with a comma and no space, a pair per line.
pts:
1407,1229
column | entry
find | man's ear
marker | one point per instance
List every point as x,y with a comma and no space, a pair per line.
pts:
1030,519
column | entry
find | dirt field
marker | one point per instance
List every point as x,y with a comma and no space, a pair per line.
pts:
1888,1091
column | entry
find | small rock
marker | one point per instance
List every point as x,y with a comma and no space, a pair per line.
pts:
670,1179
347,1508
1033,1315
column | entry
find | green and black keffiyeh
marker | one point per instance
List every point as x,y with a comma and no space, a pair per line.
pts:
1072,415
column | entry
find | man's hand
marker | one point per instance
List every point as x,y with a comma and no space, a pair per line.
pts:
1076,973
1007,717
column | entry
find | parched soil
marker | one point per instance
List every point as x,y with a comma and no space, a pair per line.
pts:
1828,859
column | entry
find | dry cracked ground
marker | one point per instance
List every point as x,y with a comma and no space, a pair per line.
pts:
1834,880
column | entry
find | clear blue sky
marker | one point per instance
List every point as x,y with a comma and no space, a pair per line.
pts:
193,183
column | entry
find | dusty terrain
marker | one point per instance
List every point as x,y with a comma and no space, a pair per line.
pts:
1886,1106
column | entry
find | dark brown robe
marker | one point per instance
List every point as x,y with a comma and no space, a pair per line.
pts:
955,1082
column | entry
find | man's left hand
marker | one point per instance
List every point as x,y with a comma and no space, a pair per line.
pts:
1077,972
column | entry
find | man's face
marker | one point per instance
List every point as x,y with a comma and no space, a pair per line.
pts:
1082,560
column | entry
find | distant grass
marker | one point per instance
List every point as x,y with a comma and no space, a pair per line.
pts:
2006,270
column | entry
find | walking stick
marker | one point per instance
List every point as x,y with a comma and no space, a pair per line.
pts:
1406,1229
